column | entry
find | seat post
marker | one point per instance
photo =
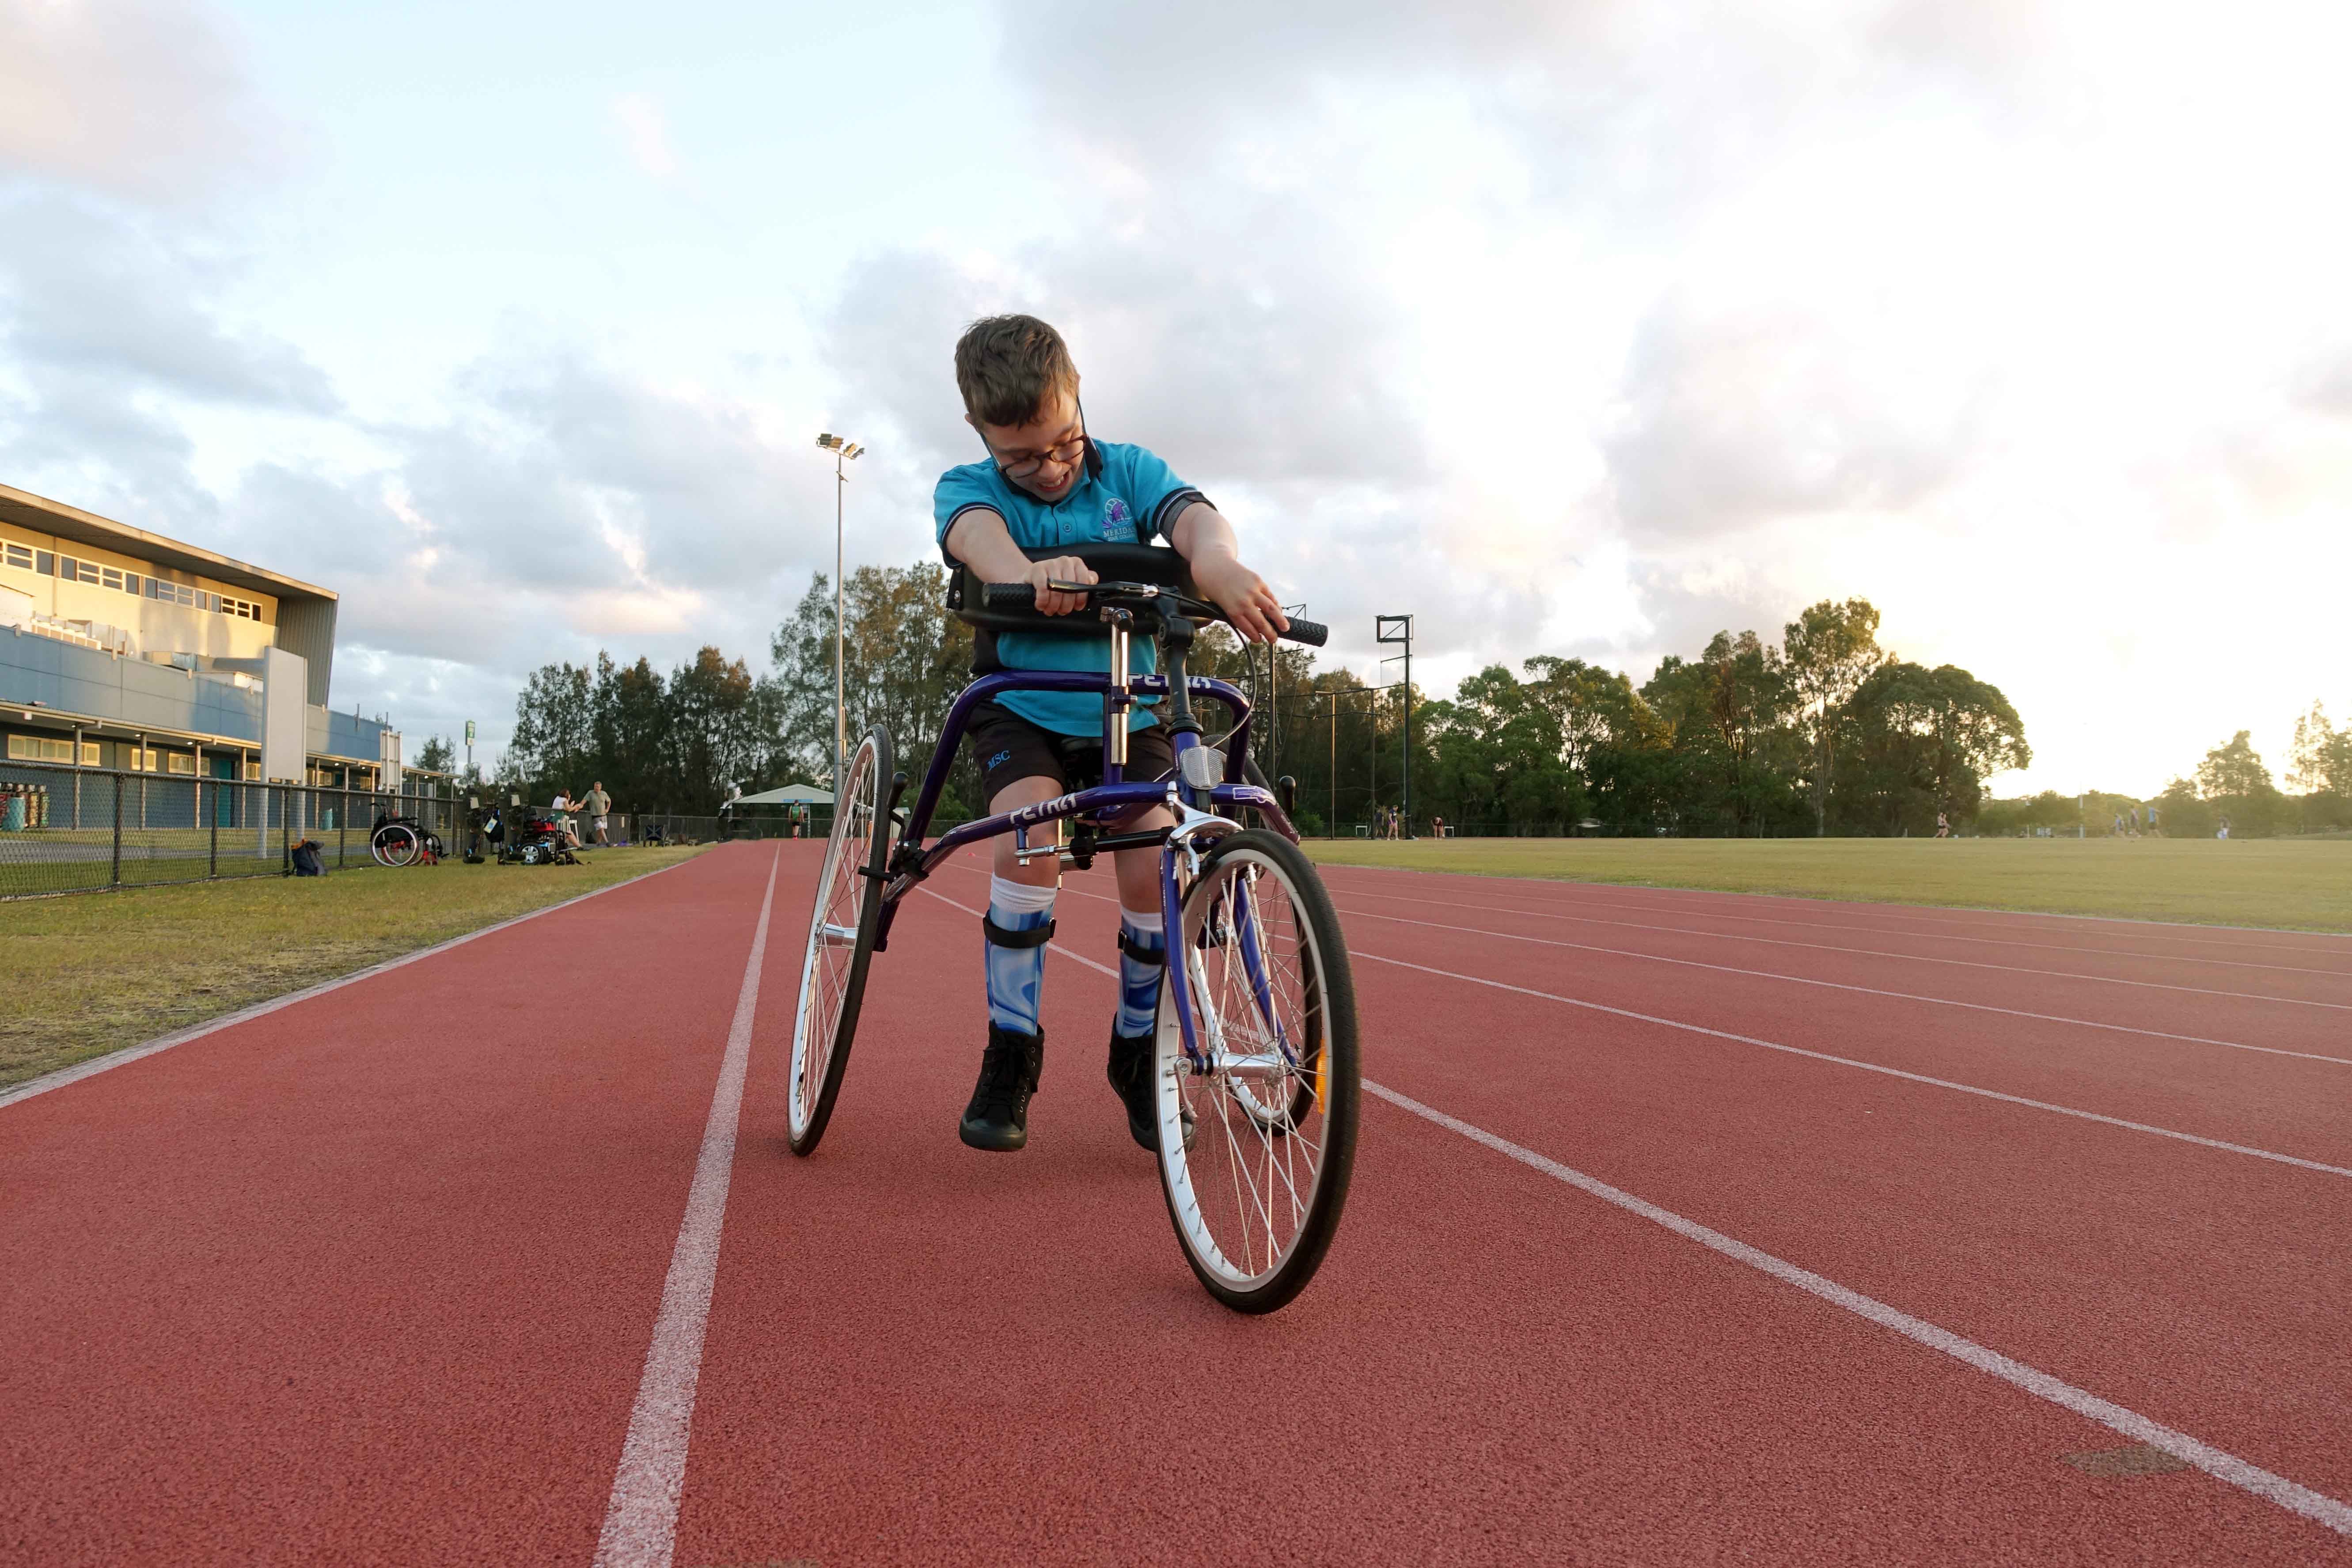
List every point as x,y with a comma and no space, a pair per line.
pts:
1115,700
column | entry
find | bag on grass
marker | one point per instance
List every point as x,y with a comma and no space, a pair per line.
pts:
306,861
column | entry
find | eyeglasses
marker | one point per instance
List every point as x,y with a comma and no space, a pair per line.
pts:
1063,455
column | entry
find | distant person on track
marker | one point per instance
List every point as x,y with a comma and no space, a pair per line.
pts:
1046,483
600,809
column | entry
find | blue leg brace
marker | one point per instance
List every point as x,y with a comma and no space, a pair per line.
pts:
1016,975
1139,979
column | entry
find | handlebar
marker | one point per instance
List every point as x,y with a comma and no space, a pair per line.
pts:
1023,596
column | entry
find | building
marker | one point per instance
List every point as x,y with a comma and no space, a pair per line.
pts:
120,648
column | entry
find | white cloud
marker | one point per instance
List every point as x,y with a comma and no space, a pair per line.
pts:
647,135
143,97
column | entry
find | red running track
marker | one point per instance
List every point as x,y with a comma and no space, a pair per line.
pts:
372,1278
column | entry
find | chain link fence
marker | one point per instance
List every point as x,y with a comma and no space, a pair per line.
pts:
67,829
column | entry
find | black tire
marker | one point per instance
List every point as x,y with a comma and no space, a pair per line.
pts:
1237,1121
395,845
856,854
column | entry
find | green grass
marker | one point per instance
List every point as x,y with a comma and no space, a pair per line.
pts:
94,972
2279,882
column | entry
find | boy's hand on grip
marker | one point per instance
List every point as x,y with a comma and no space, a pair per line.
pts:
1242,594
1067,569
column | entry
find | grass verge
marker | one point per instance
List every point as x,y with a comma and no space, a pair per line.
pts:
95,973
2290,883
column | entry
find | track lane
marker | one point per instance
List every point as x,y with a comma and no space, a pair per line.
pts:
2330,951
2291,1103
2316,989
368,1279
2222,1275
919,1352
2223,1267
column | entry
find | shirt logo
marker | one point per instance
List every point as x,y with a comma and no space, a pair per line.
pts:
1119,523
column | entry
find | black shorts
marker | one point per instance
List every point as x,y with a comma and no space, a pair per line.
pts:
1010,748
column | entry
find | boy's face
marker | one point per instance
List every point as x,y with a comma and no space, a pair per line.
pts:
1044,457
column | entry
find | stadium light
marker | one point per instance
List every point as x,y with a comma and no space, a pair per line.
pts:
844,450
1399,629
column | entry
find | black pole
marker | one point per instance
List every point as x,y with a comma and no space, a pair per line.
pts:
1408,729
118,830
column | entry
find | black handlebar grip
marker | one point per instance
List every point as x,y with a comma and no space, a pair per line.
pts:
1313,633
1008,596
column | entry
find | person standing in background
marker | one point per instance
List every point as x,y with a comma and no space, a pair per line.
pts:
600,807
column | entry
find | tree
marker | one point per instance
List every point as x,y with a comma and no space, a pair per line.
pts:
2321,769
1734,754
2233,771
1924,742
437,755
555,738
905,660
2234,783
1831,648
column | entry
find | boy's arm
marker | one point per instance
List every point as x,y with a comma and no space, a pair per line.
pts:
980,540
1206,539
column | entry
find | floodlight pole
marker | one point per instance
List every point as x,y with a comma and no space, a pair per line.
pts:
840,704
1399,629
844,449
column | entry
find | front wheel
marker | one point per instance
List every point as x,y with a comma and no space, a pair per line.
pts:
1256,1199
841,940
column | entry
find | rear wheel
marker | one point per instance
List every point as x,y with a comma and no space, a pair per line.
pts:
1256,1200
395,844
841,940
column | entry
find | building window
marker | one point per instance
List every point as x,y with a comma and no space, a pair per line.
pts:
252,771
77,571
45,749
44,563
109,577
130,582
180,763
135,759
21,557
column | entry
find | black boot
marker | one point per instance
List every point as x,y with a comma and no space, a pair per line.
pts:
1129,1072
997,1120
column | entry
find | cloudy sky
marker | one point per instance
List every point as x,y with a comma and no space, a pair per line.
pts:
1571,328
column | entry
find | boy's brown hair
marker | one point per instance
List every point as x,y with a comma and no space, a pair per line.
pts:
1006,366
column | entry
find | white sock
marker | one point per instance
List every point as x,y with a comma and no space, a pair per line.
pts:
1020,898
1145,920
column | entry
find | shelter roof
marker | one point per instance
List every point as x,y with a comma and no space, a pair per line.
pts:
790,794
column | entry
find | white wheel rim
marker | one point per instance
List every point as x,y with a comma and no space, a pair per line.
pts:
1242,1195
825,965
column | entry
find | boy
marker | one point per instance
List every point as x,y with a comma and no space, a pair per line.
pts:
1046,483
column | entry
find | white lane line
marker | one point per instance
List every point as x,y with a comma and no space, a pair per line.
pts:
2314,1506
1794,1050
641,1517
1866,1067
96,1065
2296,1499
1841,986
1558,914
1924,911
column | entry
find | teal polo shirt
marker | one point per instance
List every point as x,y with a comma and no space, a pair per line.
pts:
1125,495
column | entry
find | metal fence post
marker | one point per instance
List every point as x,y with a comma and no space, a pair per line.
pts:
212,867
117,832
343,829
